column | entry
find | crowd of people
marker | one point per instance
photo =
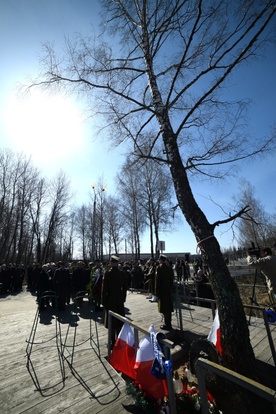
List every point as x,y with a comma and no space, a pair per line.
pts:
11,278
108,282
58,284
68,279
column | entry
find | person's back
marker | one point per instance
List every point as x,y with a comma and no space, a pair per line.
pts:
79,278
114,289
164,291
62,284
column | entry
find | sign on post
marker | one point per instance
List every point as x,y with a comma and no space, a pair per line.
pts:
161,246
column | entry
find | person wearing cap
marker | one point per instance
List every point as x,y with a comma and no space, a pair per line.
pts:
164,291
114,290
150,275
96,281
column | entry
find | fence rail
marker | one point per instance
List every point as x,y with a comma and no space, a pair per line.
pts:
203,366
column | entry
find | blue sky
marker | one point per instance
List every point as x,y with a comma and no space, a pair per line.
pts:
54,131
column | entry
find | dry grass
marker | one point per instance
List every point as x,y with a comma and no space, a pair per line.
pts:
253,291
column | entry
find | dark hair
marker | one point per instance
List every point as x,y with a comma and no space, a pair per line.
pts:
267,250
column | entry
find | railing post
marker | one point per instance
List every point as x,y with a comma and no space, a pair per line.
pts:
178,307
268,331
254,387
169,378
109,335
269,336
136,339
202,389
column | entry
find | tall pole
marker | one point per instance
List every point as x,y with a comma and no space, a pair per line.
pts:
94,228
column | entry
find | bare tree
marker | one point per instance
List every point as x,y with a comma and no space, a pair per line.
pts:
154,194
29,228
10,172
60,196
114,224
26,184
129,185
71,235
257,225
18,179
36,212
178,93
82,219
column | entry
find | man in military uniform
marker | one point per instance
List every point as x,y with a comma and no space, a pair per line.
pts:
150,275
114,289
96,281
164,291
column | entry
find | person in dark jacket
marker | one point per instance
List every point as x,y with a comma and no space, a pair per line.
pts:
42,287
164,291
114,289
80,279
62,285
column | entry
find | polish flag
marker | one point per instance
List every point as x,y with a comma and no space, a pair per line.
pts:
122,357
152,386
214,334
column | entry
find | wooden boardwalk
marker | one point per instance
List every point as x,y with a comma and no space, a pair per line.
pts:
35,379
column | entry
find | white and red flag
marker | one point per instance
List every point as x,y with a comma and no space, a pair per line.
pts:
122,357
152,386
214,334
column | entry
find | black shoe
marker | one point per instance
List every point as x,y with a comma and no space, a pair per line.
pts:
165,327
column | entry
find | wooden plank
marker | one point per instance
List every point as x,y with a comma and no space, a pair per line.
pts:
96,387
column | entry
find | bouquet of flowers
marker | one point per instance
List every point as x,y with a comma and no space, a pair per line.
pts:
187,400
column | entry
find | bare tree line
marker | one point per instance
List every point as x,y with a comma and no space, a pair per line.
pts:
40,223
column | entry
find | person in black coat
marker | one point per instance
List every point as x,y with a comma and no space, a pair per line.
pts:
114,290
62,285
164,291
80,280
42,287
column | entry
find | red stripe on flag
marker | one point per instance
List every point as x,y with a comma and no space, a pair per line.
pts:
122,357
152,386
214,334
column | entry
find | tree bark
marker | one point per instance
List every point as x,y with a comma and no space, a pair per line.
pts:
237,354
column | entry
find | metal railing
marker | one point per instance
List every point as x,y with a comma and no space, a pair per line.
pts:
213,305
266,323
203,366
